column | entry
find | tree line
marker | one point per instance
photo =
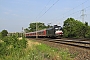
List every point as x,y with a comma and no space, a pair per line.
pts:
72,28
32,27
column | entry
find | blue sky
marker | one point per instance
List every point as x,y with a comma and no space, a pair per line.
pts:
15,14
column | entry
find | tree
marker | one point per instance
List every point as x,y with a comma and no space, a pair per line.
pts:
74,28
32,27
69,27
4,33
87,30
0,35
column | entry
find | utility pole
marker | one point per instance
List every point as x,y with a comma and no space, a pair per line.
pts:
83,15
22,33
36,31
49,24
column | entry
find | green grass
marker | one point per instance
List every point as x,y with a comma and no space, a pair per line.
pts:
45,52
39,51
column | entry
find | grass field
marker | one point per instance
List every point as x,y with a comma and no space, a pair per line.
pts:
38,51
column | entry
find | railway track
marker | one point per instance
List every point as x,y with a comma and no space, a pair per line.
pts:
81,43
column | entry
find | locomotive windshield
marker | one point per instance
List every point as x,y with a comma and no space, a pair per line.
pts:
58,28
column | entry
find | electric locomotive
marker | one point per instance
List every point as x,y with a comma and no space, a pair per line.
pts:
54,32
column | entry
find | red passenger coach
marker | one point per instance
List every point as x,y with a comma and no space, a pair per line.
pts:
41,33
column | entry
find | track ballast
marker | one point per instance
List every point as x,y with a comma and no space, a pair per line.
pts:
81,43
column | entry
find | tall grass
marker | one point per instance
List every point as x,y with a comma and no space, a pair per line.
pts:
21,50
45,52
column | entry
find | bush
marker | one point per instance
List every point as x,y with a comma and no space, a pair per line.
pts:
12,46
2,49
4,33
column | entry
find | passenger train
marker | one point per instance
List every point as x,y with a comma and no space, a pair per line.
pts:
53,32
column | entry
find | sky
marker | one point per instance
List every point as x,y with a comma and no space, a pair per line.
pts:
15,14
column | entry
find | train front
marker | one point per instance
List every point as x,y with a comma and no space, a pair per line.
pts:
58,31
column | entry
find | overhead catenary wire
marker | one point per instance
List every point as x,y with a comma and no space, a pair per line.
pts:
72,9
38,17
48,9
81,10
42,10
76,12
